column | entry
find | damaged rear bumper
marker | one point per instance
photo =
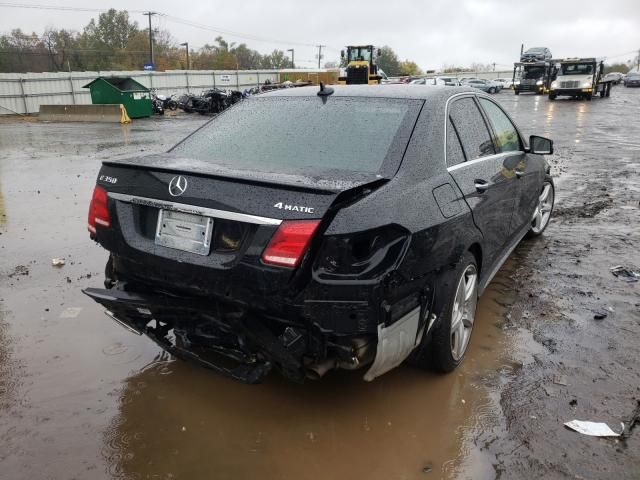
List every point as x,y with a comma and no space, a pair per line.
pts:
231,340
246,347
168,321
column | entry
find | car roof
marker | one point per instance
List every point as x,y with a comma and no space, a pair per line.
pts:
376,91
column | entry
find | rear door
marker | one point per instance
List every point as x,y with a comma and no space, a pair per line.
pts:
527,170
479,172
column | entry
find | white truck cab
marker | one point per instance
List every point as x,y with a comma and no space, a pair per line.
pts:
579,78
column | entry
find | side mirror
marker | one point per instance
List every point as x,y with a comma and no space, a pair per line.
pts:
540,145
341,53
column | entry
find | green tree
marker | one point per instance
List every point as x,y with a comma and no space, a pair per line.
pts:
276,59
113,29
616,67
246,57
23,52
388,61
410,68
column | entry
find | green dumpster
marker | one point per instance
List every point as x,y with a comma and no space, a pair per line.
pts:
125,90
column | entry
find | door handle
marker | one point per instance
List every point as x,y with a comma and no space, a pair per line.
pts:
519,173
481,185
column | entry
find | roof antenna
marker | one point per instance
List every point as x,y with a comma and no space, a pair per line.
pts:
324,91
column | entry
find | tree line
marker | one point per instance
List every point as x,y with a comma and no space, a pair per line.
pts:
114,42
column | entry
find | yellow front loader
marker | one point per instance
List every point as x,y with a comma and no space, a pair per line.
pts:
361,66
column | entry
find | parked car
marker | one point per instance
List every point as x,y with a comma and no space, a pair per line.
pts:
536,53
614,77
505,82
632,79
438,80
271,239
422,81
482,84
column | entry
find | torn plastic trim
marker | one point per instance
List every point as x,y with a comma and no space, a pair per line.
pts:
395,343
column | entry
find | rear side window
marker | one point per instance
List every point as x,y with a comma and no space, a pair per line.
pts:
472,129
507,138
455,155
306,134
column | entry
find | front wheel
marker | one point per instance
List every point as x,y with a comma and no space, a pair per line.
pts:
544,209
452,332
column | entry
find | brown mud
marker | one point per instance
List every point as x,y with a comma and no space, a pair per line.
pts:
80,397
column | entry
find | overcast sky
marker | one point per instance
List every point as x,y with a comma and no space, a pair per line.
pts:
432,33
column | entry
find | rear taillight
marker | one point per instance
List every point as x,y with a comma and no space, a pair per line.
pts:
289,244
98,211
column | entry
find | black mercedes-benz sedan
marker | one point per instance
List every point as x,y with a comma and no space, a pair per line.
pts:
314,229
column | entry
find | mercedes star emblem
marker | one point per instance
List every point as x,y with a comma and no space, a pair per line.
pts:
177,186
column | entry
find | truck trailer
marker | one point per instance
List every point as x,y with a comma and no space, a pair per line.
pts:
533,76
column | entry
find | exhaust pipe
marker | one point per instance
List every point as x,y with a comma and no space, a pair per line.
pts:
362,354
318,370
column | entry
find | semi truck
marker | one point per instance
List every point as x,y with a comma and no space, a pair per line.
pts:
580,78
533,76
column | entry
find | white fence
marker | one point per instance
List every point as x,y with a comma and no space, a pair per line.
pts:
24,93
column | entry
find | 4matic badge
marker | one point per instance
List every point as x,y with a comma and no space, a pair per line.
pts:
293,208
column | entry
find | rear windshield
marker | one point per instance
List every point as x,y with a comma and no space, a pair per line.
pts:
306,135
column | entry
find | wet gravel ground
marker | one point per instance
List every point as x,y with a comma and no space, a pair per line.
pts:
80,397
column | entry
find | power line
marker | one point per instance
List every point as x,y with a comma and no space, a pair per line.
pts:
60,8
232,33
171,18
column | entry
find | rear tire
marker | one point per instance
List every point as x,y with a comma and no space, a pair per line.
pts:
452,332
492,90
517,92
552,96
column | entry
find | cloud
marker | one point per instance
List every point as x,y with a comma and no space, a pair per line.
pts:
431,33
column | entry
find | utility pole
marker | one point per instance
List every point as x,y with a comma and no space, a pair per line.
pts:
293,62
494,66
320,54
521,49
149,14
186,45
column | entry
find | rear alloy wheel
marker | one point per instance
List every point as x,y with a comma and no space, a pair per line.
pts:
544,208
492,90
463,312
444,351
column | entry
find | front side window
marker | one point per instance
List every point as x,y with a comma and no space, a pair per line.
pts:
472,129
507,138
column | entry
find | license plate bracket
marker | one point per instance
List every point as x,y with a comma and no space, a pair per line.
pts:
184,231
